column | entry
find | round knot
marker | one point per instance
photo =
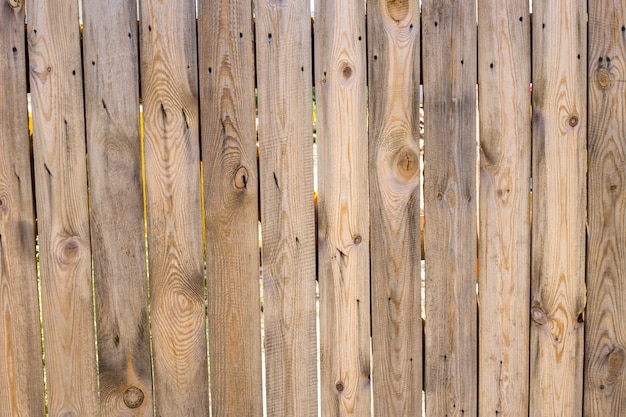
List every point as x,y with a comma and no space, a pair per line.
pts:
339,387
539,315
241,178
68,250
133,397
407,163
573,121
604,78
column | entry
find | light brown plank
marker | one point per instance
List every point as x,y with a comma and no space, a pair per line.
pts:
173,196
605,342
394,63
111,67
287,212
231,206
449,65
504,247
56,84
559,203
343,212
21,375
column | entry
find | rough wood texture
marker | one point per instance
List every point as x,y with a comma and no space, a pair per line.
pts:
605,344
504,247
56,84
343,212
394,51
21,377
172,160
231,206
111,69
559,202
287,211
449,39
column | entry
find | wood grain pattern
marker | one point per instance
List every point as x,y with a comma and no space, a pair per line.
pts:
343,212
393,57
449,65
21,376
231,206
172,163
559,205
56,84
504,246
111,70
605,339
287,209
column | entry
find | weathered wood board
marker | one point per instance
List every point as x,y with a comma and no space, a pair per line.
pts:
559,98
343,209
111,71
284,75
605,338
169,87
449,65
231,206
504,245
56,86
393,42
21,374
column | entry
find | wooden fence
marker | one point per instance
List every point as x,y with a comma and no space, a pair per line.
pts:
170,325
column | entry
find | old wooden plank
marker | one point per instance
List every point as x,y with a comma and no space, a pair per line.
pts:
605,339
231,206
394,76
111,71
343,212
504,247
283,34
62,212
559,205
21,375
449,65
172,162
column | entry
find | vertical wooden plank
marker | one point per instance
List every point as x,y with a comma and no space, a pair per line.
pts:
394,82
343,207
559,205
449,65
169,83
111,70
231,206
62,212
283,33
21,376
504,246
605,344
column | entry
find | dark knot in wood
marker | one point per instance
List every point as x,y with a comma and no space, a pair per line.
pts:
133,397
